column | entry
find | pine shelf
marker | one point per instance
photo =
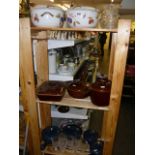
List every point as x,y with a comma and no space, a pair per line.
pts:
78,103
33,28
118,57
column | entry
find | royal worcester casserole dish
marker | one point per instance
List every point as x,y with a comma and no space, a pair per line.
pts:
44,16
82,17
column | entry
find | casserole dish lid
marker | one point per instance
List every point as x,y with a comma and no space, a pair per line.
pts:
84,8
46,6
101,86
51,88
78,86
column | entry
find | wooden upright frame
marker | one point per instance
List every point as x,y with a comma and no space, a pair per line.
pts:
120,42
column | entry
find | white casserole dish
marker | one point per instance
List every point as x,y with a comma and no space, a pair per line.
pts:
42,15
82,17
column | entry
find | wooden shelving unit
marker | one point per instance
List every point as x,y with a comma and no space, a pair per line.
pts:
119,49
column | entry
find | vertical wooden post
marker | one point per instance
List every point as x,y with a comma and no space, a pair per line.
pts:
28,85
42,75
112,55
111,117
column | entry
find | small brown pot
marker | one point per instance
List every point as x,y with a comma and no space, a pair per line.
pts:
100,92
78,89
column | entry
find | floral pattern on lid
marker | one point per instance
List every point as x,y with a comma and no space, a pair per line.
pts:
82,17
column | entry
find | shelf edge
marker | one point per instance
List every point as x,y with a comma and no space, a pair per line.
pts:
75,103
73,29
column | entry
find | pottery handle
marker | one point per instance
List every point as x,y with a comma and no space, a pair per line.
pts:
49,13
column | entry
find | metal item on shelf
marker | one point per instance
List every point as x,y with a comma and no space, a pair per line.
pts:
52,61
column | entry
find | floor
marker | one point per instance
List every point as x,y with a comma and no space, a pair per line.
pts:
125,135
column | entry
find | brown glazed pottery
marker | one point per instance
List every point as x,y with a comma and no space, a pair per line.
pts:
78,89
63,109
51,91
100,92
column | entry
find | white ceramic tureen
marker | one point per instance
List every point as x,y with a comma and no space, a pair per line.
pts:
82,17
42,15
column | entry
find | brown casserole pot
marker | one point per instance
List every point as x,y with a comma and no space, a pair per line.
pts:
51,91
100,92
78,89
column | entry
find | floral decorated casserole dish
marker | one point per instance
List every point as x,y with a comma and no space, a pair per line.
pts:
45,16
82,17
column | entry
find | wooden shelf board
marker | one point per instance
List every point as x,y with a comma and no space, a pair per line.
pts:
83,150
72,29
50,150
72,102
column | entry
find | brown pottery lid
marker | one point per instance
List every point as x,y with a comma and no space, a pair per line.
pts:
78,86
101,86
51,88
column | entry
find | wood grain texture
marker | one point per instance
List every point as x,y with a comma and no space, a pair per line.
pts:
27,84
77,2
72,29
42,59
42,75
111,117
112,55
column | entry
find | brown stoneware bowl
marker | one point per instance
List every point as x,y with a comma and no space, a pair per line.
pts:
100,92
51,91
78,89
